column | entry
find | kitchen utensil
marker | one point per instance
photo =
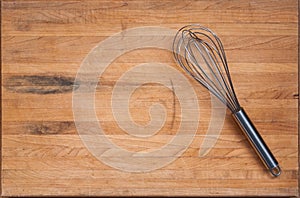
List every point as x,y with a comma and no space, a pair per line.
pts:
200,52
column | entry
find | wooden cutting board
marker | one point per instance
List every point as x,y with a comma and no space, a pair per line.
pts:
43,46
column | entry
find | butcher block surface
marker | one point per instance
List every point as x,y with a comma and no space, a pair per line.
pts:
45,42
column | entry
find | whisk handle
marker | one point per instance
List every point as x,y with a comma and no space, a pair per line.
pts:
257,142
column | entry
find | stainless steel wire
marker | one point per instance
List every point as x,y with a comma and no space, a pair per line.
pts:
200,52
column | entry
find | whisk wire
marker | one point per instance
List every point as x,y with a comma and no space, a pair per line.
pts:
214,77
195,68
190,67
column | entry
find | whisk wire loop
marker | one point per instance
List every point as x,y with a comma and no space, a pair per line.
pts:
193,43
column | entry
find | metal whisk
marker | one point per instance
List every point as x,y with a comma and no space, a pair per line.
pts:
200,52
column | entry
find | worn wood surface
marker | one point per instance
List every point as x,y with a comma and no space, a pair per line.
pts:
43,45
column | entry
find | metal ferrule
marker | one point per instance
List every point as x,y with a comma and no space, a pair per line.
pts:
257,142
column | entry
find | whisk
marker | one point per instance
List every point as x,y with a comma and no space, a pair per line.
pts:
200,52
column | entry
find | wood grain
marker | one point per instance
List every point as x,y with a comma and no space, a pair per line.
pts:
43,45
